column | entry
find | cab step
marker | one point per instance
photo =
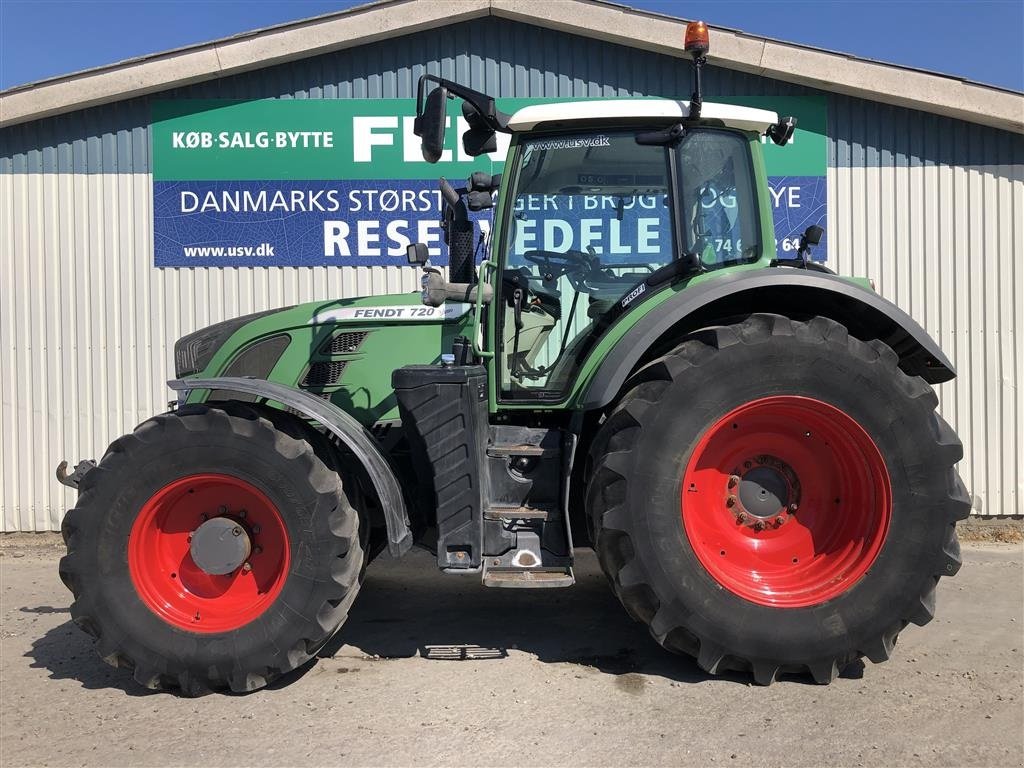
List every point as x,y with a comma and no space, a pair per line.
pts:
522,512
528,578
524,450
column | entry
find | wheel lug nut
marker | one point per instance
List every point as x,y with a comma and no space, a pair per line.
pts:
758,526
257,550
793,507
734,481
256,529
731,501
246,567
222,510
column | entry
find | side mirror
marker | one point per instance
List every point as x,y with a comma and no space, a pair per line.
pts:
781,132
480,138
812,235
430,124
417,253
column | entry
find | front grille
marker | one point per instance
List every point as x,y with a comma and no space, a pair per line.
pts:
323,374
344,343
258,360
193,353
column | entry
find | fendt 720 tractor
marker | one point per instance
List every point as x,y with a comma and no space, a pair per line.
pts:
750,444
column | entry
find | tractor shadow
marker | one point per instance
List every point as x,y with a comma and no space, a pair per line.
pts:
67,653
408,608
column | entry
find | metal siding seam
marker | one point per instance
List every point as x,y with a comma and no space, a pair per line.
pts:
21,403
8,428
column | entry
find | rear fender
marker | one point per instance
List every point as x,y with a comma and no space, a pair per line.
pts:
353,434
797,294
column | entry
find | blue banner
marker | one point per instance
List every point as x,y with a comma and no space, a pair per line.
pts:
363,223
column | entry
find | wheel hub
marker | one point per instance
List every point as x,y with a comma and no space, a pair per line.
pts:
763,492
220,546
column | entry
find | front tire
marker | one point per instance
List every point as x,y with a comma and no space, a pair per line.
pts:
777,496
293,559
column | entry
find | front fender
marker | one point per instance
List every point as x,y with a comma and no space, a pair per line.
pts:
794,293
353,434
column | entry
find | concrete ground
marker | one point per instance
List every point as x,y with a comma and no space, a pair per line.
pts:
436,670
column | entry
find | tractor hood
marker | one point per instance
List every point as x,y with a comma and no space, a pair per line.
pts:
342,350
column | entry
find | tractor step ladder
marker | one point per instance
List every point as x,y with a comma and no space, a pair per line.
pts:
529,565
527,542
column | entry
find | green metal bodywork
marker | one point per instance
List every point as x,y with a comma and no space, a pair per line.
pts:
364,388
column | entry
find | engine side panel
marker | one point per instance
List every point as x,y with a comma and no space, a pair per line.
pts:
341,351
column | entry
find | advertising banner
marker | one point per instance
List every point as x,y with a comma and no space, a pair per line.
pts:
341,182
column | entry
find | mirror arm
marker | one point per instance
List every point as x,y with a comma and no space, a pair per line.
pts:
481,102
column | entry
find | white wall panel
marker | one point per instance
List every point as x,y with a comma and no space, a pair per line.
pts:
87,324
945,244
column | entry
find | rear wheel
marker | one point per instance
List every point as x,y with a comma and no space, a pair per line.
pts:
213,548
777,496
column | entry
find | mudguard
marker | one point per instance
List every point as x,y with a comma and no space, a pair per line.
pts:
353,434
790,292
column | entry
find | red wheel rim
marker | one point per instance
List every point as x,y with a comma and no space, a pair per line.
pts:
786,501
168,580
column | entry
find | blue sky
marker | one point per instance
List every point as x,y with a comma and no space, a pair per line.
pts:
979,40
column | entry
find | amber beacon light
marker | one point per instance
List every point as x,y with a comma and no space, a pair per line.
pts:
696,40
696,44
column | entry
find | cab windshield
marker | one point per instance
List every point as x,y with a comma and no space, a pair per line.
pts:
591,216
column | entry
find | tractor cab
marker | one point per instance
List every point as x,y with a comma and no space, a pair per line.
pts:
597,219
602,206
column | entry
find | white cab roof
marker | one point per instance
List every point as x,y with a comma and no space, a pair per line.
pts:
657,110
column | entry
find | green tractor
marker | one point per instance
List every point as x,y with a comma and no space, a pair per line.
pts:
750,444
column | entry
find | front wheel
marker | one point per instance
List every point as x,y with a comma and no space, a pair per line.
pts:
213,548
777,496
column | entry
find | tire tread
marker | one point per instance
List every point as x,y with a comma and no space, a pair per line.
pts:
610,462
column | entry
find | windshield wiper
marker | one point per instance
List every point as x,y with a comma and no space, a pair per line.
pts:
663,137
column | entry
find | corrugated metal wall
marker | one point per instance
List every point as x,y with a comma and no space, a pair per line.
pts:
929,207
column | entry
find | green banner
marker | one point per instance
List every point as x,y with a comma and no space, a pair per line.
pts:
373,139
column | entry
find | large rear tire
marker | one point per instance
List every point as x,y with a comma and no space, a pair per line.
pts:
777,496
255,478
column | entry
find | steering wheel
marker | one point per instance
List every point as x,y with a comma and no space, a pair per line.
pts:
554,264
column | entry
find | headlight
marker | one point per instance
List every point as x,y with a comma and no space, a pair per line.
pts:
193,353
